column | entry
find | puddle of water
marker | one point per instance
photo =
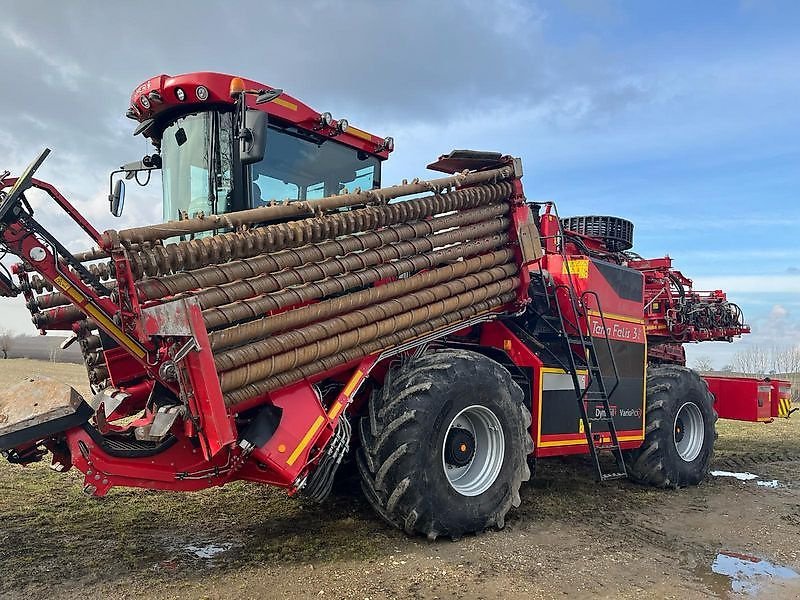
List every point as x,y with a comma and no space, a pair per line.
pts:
748,573
774,483
207,551
739,476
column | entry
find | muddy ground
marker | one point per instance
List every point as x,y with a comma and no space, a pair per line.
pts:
570,538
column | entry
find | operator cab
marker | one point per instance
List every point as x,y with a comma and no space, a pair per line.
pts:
208,165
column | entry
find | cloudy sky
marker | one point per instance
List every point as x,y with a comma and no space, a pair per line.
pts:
680,116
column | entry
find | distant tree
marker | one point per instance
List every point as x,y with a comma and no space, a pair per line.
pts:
787,360
775,360
6,342
754,360
703,364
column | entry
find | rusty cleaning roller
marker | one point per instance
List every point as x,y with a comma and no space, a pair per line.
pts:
194,254
283,379
97,374
233,336
46,301
260,350
55,298
254,308
89,343
60,317
102,271
270,282
214,275
253,216
256,371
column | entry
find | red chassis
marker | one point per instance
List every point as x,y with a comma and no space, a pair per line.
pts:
167,346
155,342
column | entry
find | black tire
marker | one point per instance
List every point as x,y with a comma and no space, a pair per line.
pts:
402,436
659,462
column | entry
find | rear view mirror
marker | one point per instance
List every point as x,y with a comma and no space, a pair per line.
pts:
117,198
253,138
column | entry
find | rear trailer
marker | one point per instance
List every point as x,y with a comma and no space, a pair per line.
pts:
751,398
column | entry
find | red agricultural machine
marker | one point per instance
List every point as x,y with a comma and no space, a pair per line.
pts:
287,298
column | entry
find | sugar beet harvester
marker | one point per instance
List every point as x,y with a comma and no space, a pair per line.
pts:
463,331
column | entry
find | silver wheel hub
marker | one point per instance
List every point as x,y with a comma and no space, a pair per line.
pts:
689,432
473,450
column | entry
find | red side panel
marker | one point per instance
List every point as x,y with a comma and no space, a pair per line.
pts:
741,398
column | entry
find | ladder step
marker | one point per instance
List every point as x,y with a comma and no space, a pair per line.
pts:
604,447
610,476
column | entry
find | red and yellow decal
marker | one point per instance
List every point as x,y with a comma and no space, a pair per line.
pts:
99,316
305,441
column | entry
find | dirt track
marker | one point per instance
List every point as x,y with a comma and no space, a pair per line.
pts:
569,538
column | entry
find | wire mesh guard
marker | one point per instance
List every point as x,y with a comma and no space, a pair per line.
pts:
616,233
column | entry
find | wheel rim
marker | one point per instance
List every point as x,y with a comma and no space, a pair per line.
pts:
473,450
689,432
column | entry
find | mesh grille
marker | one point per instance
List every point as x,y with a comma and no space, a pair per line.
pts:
616,233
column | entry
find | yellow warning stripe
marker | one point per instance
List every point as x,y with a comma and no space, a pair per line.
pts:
359,133
784,406
616,317
305,441
99,317
335,410
285,103
347,392
354,381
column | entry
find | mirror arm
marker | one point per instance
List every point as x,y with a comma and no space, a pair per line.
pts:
130,169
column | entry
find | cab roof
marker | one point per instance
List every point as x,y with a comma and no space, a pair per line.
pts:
168,94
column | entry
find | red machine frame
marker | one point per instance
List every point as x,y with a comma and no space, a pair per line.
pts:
154,339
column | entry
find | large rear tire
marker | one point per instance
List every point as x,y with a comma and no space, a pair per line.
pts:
444,445
679,430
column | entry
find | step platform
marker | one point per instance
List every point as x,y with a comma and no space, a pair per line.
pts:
37,408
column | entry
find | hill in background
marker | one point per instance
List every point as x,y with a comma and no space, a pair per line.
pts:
44,347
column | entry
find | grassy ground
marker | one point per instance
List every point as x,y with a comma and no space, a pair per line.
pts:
50,527
566,537
14,370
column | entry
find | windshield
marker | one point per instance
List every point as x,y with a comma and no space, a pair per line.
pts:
196,168
303,166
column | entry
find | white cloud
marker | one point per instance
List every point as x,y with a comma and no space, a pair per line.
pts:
750,284
778,312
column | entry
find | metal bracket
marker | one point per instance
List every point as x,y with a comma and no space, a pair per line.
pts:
185,349
109,398
169,318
